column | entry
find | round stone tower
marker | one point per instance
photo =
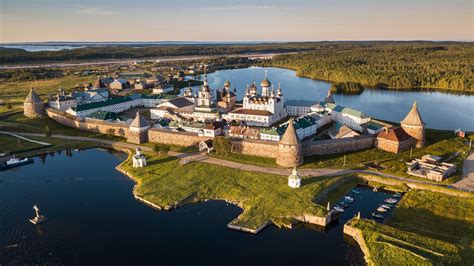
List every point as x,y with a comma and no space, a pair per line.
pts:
414,126
290,152
33,106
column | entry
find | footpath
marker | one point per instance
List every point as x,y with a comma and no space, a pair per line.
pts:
467,183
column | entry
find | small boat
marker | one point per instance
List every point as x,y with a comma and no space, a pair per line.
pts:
15,162
339,209
375,189
344,204
392,201
355,191
381,209
377,216
349,199
38,218
397,195
386,206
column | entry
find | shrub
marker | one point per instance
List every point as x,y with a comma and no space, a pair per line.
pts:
161,149
222,145
47,132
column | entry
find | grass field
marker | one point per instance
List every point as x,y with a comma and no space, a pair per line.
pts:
440,216
391,246
262,197
15,92
439,143
248,159
10,144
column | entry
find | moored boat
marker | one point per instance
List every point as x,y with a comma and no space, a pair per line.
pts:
377,216
349,199
390,200
15,162
386,206
339,209
381,209
355,191
344,204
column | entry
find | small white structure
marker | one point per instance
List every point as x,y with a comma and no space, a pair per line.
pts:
139,159
294,180
38,218
206,146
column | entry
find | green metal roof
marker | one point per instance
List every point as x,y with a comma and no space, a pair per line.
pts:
102,115
269,131
111,101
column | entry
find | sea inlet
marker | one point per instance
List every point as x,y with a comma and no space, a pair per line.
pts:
94,219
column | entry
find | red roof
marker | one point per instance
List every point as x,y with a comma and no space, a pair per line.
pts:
394,134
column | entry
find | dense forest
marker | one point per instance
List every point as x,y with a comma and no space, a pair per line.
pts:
442,66
15,55
347,87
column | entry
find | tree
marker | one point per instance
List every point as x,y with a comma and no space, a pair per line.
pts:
161,149
47,132
110,132
222,145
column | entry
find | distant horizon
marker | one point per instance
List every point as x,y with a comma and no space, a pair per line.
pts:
231,21
235,41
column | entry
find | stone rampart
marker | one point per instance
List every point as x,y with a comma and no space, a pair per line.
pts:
174,138
89,125
255,147
334,146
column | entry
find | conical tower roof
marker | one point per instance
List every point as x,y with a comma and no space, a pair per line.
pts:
413,117
139,122
329,98
33,97
290,137
99,84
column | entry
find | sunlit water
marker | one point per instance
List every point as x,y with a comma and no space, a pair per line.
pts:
439,110
94,219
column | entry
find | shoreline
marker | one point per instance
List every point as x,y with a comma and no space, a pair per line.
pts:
420,89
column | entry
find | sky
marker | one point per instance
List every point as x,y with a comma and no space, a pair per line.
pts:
243,20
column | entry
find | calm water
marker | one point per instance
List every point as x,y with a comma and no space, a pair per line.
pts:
439,110
39,48
94,219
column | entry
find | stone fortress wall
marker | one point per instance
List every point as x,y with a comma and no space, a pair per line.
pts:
333,146
94,126
262,148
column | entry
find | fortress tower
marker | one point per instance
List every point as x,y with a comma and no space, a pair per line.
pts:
414,126
138,130
33,106
290,152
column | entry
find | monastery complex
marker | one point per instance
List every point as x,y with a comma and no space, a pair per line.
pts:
262,123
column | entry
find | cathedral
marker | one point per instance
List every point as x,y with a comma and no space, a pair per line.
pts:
259,108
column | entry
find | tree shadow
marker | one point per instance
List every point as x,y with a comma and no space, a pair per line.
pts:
161,160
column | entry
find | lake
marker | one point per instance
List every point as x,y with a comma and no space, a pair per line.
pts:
438,109
94,219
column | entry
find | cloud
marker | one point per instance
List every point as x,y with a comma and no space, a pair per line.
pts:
96,11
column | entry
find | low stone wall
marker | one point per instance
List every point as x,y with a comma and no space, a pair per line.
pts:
334,146
94,126
174,138
255,147
356,234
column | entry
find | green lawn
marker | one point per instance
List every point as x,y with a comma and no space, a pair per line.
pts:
439,216
10,144
15,92
20,123
391,246
248,159
439,143
262,197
